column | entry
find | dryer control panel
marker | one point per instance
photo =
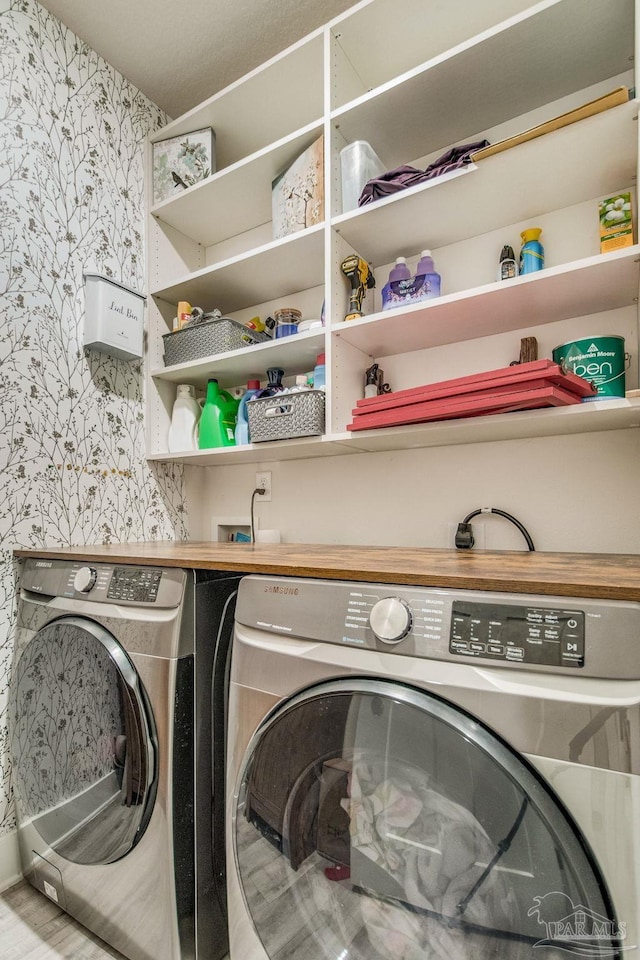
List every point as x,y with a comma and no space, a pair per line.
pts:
585,637
522,634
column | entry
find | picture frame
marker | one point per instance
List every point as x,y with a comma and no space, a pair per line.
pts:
181,162
297,195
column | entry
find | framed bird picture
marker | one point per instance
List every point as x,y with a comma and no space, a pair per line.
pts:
180,162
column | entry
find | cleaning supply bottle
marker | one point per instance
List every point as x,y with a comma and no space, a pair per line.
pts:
274,382
532,252
400,271
183,431
430,285
217,422
242,420
319,372
508,267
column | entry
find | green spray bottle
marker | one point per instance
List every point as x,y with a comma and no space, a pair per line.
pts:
218,420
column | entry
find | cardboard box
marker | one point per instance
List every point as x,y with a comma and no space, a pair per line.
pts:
297,195
179,162
616,222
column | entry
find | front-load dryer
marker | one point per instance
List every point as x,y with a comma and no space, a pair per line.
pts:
116,717
423,773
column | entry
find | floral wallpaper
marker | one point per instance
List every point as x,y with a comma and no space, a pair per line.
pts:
72,463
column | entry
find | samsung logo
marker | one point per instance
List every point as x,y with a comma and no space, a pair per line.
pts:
285,591
44,563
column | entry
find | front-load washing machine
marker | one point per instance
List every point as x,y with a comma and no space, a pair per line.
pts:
116,719
423,773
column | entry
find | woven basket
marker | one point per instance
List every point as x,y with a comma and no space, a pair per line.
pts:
206,339
286,415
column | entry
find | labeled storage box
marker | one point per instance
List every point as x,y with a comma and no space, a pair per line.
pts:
286,415
207,338
114,317
616,222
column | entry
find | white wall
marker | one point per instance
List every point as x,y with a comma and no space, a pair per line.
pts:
577,493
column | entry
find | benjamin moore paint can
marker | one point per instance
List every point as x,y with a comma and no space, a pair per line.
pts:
598,359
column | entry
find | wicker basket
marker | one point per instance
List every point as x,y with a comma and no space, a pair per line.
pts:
206,339
286,415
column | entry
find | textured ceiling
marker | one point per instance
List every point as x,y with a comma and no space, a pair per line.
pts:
179,52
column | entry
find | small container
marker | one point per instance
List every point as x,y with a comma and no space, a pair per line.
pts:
508,268
286,330
359,163
287,315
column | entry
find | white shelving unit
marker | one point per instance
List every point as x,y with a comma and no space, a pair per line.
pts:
413,80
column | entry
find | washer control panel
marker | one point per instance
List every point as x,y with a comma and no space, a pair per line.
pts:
95,582
536,635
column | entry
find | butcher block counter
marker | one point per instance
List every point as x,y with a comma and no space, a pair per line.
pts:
607,576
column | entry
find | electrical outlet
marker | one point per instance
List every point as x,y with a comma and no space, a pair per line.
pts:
263,482
479,532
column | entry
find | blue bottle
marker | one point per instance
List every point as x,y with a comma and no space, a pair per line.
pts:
532,252
242,422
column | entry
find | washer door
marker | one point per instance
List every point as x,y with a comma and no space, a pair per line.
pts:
374,820
82,743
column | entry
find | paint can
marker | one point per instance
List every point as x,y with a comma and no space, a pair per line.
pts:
602,360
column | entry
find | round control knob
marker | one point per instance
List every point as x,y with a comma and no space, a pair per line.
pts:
391,619
85,579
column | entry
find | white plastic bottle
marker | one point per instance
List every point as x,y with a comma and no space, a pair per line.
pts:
183,431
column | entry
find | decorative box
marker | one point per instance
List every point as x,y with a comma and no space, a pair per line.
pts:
297,195
179,162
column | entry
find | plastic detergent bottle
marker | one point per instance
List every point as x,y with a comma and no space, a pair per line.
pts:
217,423
183,431
242,421
532,252
426,268
400,271
319,372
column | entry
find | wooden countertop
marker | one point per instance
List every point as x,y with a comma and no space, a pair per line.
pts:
607,576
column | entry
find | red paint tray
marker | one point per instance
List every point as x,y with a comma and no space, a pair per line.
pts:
501,398
520,376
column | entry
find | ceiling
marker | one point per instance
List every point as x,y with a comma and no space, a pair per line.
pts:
180,52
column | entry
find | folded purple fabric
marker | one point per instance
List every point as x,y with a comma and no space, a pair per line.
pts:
402,177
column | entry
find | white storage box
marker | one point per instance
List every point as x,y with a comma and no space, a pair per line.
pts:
114,317
359,163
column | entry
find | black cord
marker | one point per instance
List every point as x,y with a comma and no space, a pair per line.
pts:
260,492
464,534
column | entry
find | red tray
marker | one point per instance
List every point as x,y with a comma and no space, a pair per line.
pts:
525,375
451,408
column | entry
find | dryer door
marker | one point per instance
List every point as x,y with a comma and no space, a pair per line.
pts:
82,742
373,819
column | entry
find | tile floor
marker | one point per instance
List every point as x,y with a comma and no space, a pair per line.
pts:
32,927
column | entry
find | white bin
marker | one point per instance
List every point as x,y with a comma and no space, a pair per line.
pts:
114,317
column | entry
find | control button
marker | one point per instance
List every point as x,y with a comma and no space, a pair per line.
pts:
496,649
572,624
478,647
390,619
85,579
459,646
515,653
